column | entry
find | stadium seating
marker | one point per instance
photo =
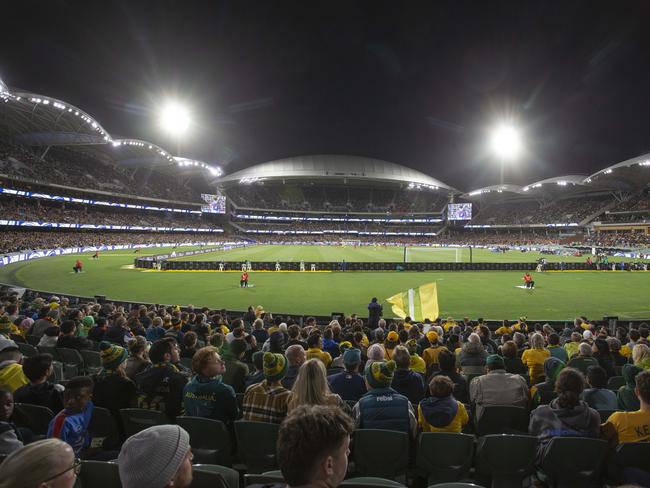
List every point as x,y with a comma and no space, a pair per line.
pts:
444,456
371,458
574,461
136,419
256,443
210,440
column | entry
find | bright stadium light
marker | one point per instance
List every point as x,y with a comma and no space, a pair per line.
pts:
506,142
174,118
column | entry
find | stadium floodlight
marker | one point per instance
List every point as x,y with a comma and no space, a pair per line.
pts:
174,118
506,142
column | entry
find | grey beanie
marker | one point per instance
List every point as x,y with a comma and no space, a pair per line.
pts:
152,457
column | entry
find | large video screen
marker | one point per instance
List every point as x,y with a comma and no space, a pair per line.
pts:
459,211
214,203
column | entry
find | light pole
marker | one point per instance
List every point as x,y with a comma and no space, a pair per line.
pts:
506,144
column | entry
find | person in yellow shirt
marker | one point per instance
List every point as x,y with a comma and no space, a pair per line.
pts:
572,346
417,363
448,324
631,426
392,341
520,325
442,412
315,350
534,357
11,371
504,329
430,354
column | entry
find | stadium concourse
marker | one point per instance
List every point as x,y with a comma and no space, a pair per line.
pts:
142,382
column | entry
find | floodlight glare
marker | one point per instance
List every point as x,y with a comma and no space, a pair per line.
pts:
506,142
174,118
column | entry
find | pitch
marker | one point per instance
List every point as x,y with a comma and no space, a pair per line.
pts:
489,294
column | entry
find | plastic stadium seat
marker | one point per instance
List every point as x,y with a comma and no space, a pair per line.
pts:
104,431
615,382
207,479
256,443
34,417
92,361
73,363
210,440
229,475
506,459
368,481
455,485
574,461
27,350
48,350
444,456
633,455
371,456
502,420
99,474
33,340
605,414
136,419
262,479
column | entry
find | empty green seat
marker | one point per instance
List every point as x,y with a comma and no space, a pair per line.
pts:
372,457
444,456
506,460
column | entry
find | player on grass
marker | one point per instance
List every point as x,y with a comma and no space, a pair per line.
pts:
96,255
528,280
78,266
243,280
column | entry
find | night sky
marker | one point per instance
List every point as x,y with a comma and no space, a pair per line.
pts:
416,83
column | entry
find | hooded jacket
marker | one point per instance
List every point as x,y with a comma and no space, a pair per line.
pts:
627,400
543,393
472,358
442,415
548,421
210,398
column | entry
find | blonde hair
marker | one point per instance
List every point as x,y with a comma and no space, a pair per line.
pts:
31,465
311,386
537,341
639,353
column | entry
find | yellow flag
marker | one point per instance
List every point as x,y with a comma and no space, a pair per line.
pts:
418,303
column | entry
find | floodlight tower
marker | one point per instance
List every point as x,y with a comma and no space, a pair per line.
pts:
175,120
506,144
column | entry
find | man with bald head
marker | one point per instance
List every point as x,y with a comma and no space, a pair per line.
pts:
296,356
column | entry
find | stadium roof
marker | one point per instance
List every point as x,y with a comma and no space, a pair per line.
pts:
335,167
37,120
631,174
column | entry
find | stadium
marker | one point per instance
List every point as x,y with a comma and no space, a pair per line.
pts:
178,313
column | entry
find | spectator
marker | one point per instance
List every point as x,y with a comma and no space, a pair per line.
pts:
447,362
160,387
156,330
257,376
542,393
10,437
641,356
71,424
349,384
566,415
157,457
602,354
497,387
113,389
47,318
50,337
627,399
511,359
534,357
374,313
441,412
40,391
119,333
190,345
417,364
382,407
206,395
598,396
376,352
572,345
315,350
259,332
296,356
405,381
68,338
430,354
294,337
392,341
311,388
98,332
583,360
138,359
555,349
473,356
235,370
631,426
11,371
46,463
313,446
615,348
267,401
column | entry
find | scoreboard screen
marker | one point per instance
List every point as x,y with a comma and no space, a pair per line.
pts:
213,203
459,211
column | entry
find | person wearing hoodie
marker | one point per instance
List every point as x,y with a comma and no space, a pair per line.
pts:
598,396
430,354
113,389
584,358
442,412
566,415
473,356
382,407
11,371
603,355
405,381
206,395
236,371
392,341
627,399
542,393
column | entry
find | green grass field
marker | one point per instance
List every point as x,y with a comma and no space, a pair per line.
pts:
490,294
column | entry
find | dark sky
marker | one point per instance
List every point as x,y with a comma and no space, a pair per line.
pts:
415,83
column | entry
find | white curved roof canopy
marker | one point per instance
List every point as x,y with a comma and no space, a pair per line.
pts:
494,189
335,166
642,160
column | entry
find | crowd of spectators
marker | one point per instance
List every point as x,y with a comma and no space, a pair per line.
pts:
622,239
78,170
350,227
399,375
572,210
